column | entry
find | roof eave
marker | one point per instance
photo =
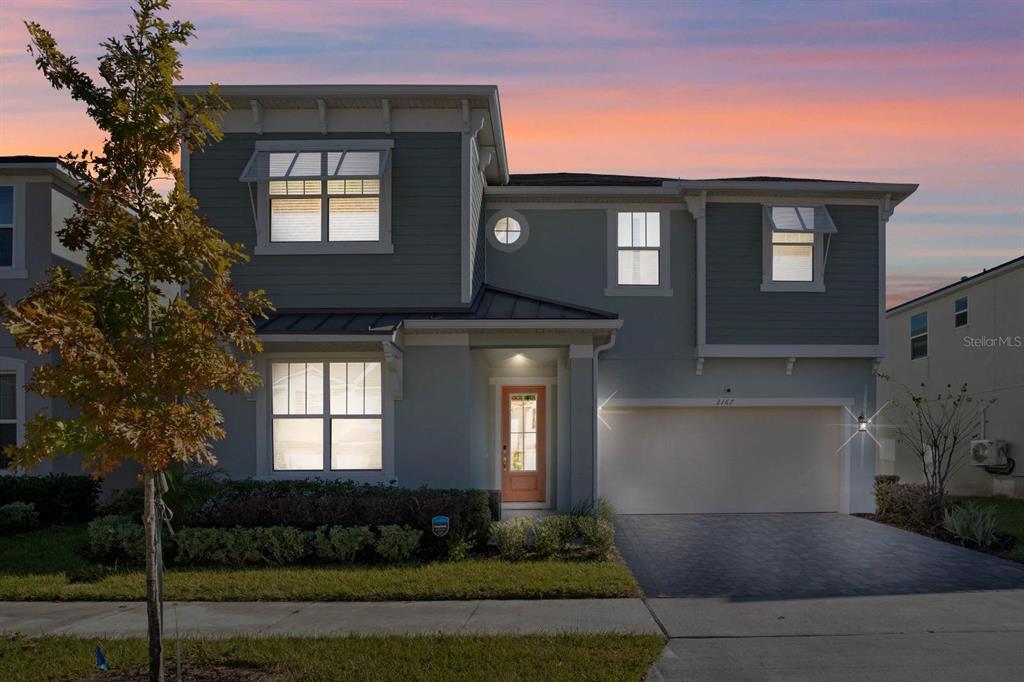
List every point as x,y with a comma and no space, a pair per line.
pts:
57,170
898,191
1001,269
517,191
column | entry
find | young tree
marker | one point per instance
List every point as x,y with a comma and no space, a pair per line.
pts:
938,428
151,324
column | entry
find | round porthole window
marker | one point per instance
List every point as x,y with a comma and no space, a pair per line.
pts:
507,231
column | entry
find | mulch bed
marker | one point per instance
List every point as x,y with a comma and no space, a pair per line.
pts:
1003,544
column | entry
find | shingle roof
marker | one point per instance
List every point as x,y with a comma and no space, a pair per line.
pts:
491,303
1019,260
27,158
606,180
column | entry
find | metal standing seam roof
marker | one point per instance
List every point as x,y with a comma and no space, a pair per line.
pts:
491,303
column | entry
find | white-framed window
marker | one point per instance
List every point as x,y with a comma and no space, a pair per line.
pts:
327,416
508,231
12,407
919,336
321,196
12,231
6,226
638,252
794,246
960,312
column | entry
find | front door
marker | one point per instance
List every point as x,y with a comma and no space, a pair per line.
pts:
523,461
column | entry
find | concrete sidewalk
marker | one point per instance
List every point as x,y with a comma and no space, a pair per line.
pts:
935,637
224,619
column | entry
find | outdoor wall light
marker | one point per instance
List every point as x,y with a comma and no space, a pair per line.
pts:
862,423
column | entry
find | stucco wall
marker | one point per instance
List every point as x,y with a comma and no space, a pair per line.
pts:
991,369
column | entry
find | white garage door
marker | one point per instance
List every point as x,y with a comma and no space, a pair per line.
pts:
679,460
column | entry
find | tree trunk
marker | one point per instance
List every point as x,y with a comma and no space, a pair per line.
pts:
154,576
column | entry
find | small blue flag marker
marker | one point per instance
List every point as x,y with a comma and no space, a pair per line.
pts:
101,660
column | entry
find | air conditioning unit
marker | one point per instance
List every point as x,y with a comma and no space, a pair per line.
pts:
992,455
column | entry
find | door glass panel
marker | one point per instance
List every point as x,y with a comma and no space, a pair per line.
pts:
530,451
523,431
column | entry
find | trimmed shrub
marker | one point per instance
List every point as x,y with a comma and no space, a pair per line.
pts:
512,537
275,545
551,534
117,538
397,543
17,517
907,505
342,544
58,498
972,523
125,502
311,504
596,534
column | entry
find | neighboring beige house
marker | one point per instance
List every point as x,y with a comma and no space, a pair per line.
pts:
971,331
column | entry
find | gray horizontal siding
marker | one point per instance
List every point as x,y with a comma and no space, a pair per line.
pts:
739,312
425,268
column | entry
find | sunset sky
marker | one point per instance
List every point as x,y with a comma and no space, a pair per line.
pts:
925,92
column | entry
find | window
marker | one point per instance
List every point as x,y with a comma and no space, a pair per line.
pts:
321,196
919,336
507,231
960,316
639,242
638,263
8,414
341,433
794,247
792,257
6,226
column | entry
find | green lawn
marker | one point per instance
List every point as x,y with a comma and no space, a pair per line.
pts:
1011,519
49,564
505,657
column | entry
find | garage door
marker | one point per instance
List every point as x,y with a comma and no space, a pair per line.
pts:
678,460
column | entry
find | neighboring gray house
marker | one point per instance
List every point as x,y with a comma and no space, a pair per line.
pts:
37,193
670,345
972,332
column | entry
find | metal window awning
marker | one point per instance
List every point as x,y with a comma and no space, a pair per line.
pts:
299,164
800,219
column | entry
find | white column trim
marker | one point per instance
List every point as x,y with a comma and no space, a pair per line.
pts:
697,206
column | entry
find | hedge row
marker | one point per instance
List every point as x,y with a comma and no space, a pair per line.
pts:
58,498
121,539
310,504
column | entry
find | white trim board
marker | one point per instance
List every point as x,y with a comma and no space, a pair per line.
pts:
325,338
530,381
625,403
513,325
787,351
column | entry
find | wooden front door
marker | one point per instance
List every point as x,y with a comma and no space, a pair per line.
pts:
523,438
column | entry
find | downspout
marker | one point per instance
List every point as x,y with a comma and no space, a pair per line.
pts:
597,351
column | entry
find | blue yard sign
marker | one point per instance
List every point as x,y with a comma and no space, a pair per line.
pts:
440,526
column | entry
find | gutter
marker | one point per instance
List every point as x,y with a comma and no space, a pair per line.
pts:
597,351
512,325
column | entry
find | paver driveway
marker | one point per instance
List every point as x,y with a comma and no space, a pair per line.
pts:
795,556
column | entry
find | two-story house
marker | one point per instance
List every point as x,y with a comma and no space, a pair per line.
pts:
968,332
37,194
670,345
